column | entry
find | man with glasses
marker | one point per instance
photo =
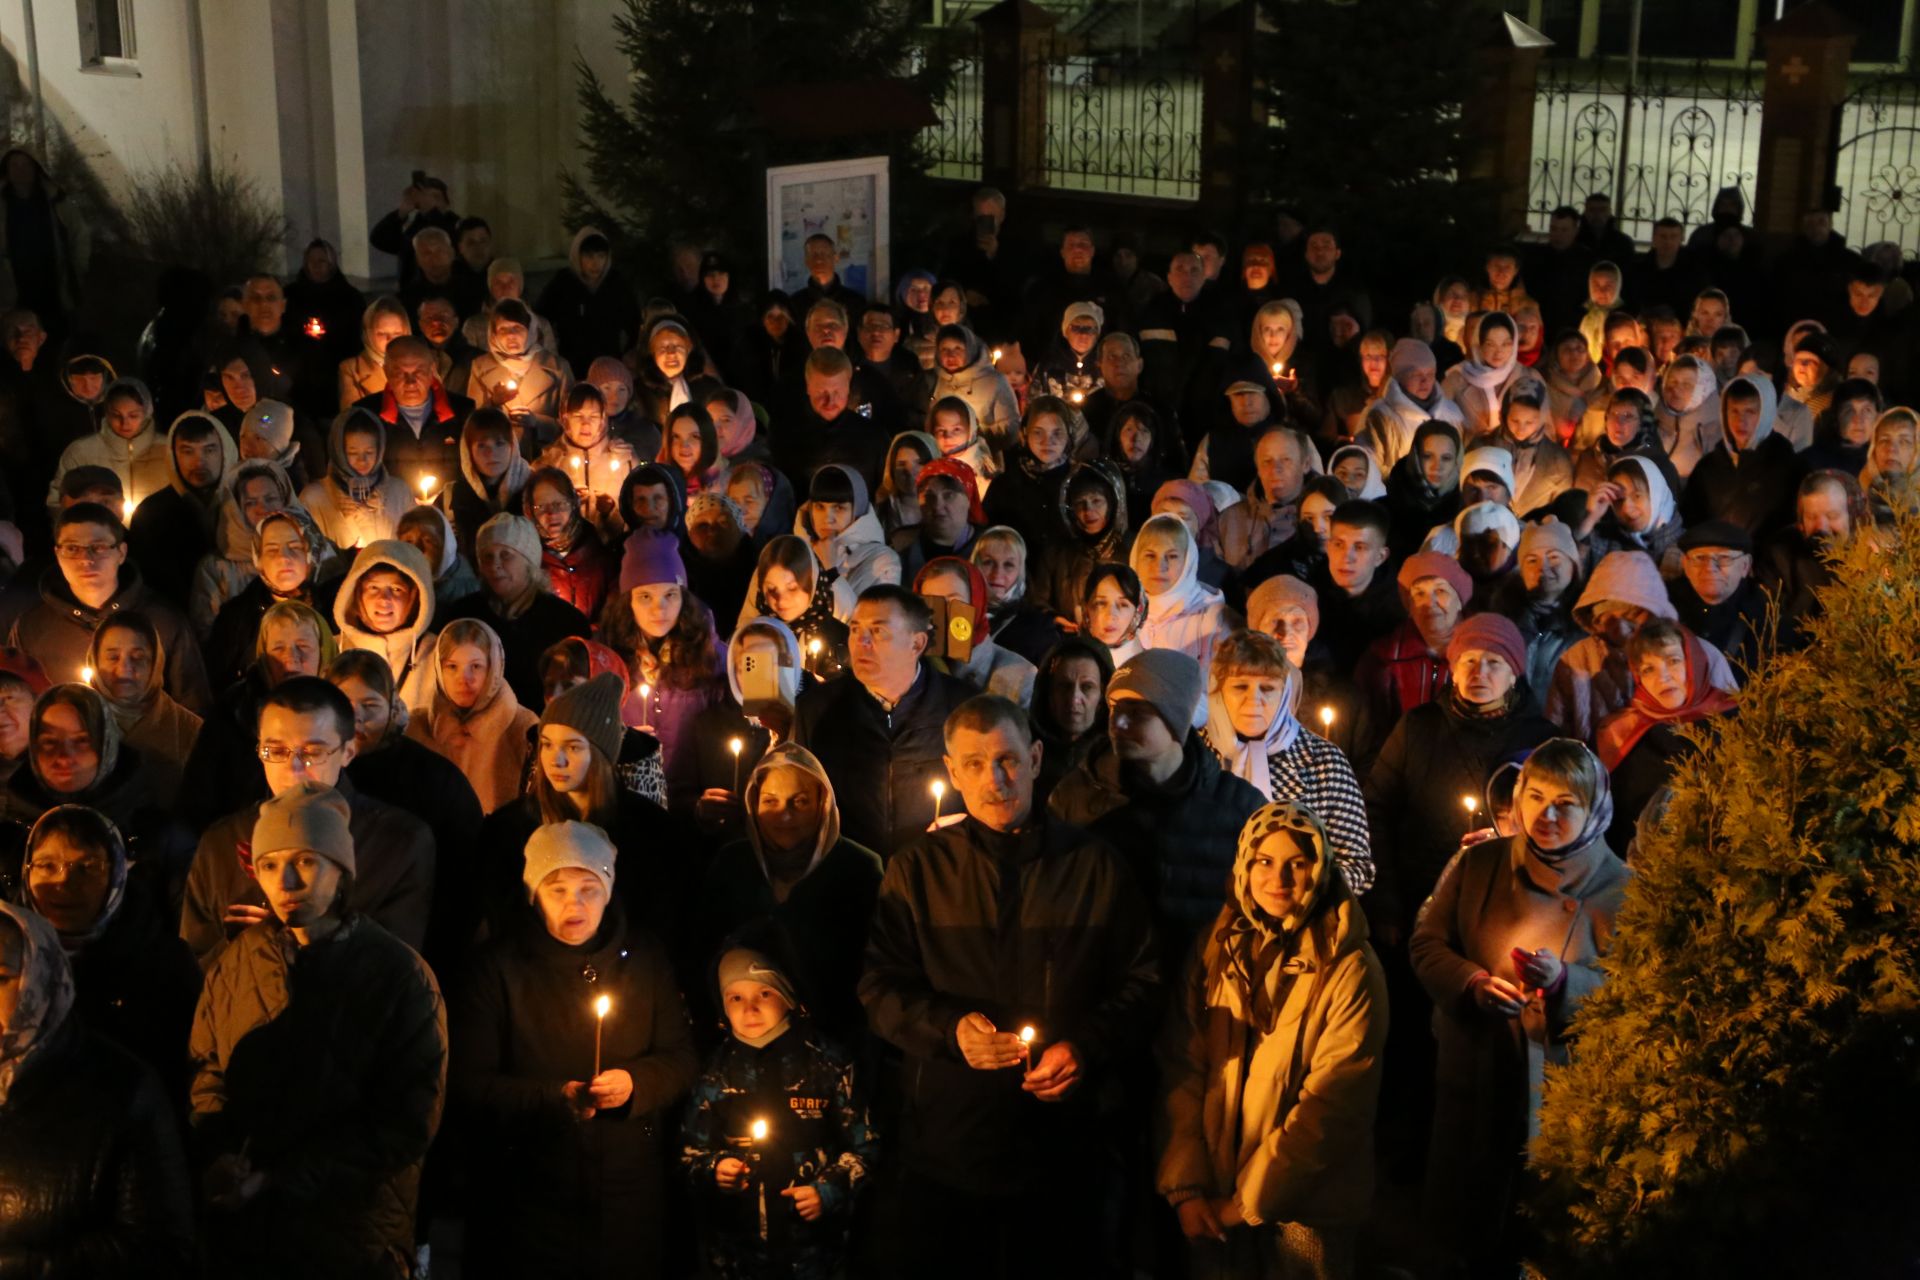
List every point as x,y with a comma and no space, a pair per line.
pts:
90,581
306,737
1717,598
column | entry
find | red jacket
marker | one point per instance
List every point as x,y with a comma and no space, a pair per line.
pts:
1397,674
584,577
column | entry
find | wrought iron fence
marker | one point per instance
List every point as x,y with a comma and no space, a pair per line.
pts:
1877,163
1661,151
1123,124
952,147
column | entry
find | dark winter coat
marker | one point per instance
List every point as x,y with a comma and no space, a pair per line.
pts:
59,630
1755,493
223,768
589,321
414,778
1433,757
553,1195
881,761
1178,837
1733,626
327,1066
436,450
392,884
1027,499
584,575
137,985
97,1185
1043,928
230,646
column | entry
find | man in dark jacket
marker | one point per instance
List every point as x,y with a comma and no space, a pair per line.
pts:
1012,962
306,736
1716,596
878,734
315,1096
516,599
590,305
423,418
1358,603
1794,565
172,528
833,426
1156,793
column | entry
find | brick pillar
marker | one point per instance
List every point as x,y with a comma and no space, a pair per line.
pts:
1807,56
1014,38
1231,120
1498,117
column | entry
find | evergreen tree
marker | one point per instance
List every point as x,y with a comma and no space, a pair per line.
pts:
1366,96
682,155
1742,1096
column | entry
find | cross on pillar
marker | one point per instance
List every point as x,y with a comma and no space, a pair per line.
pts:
1795,69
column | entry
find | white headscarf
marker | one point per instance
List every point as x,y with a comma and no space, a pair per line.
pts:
1247,757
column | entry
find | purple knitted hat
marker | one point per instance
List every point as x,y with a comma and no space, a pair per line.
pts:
651,558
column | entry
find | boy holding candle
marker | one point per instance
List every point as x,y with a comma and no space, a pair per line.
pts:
774,1141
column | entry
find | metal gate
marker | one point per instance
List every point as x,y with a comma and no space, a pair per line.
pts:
1876,163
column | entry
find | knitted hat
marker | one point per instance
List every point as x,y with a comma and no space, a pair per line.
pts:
961,474
1083,311
271,422
1717,533
1548,534
740,964
1280,591
1431,564
1168,681
713,500
516,533
309,817
593,710
651,558
555,846
1409,354
1492,633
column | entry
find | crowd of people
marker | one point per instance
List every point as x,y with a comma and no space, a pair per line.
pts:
636,781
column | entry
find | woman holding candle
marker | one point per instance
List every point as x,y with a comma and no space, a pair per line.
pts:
774,1141
493,475
567,1166
1270,1065
527,384
766,672
592,458
1507,948
667,636
580,566
365,374
127,658
788,584
358,500
125,441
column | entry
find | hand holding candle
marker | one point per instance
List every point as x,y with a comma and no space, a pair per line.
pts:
735,745
939,790
600,1009
427,482
1026,1044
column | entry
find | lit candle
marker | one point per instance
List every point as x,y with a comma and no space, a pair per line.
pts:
426,487
1026,1044
813,647
511,386
996,355
939,790
1279,367
315,329
758,1133
1326,717
734,745
1077,397
1471,804
646,708
86,675
600,1008
126,508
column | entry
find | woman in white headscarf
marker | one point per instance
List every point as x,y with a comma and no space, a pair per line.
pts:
1183,612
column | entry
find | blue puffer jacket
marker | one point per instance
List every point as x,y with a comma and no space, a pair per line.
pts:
1179,838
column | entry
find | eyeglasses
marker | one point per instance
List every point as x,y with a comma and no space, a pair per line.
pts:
554,509
61,869
84,550
1725,563
307,756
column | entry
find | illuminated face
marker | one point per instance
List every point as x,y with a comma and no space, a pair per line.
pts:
566,758
684,445
1373,361
124,663
1003,565
1354,552
994,772
387,600
1290,625
1483,677
1496,346
289,648
751,498
125,416
828,393
1073,697
1136,440
1662,672
1110,614
509,337
586,426
438,320
951,431
465,671
1316,513
300,885
1091,511
572,903
1545,572
1550,813
753,1009
1439,458
1076,252
788,808
944,509
1159,558
1417,382
831,519
1281,874
1715,573
260,497
1742,420
785,594
285,560
949,307
1709,316
1894,447
1823,514
1046,439
1277,461
1252,699
1434,607
1635,507
670,353
826,328
372,712
951,354
385,328
236,383
1623,422
656,607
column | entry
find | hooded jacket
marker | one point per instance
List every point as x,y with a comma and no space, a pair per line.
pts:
1752,487
813,912
1064,565
996,413
1189,616
1043,927
978,452
1478,390
350,509
1594,679
173,527
1694,431
901,510
1542,469
859,555
143,463
409,650
224,572
331,1073
488,741
589,320
1271,1054
1660,539
1394,417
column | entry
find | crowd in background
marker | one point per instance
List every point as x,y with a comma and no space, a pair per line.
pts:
659,777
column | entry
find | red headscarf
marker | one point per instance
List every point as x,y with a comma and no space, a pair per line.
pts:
962,474
1621,731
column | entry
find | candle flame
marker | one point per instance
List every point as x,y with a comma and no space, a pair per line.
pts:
1470,803
997,353
576,464
813,646
1077,397
315,329
938,788
511,385
759,1131
646,691
734,745
86,675
126,508
426,485
1278,367
601,1006
1026,1035
1326,716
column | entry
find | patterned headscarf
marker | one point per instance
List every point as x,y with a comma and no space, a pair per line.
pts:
46,995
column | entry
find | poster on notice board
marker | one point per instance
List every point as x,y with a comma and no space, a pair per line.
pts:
843,200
